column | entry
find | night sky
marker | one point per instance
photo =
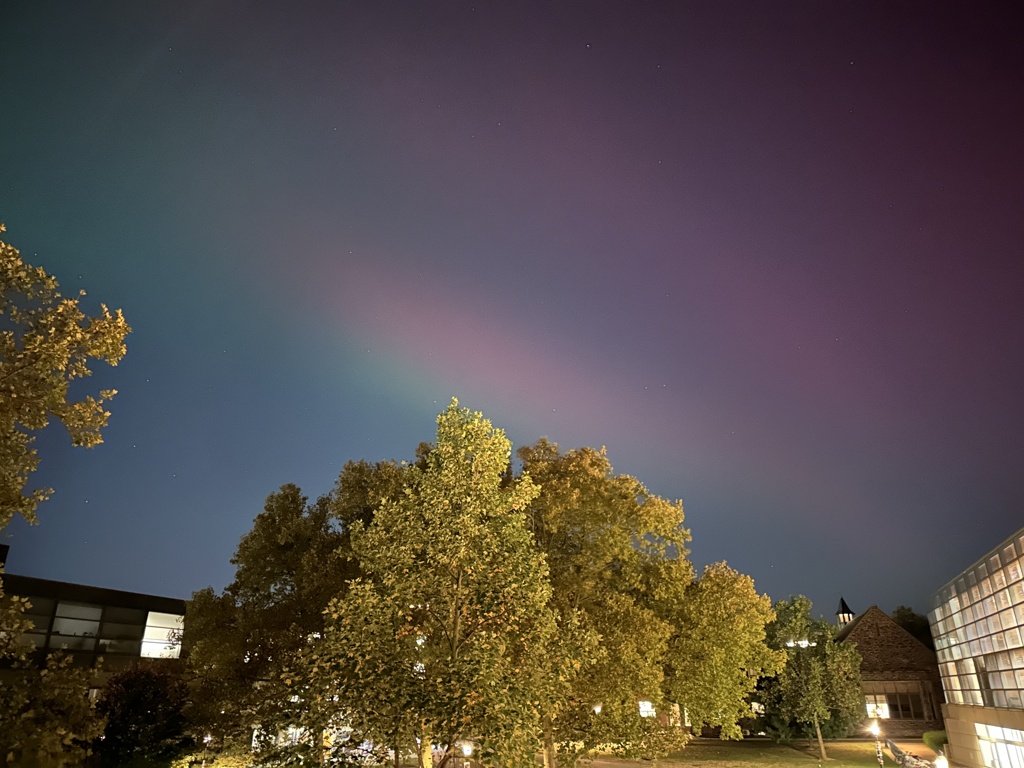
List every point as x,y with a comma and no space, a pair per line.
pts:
769,254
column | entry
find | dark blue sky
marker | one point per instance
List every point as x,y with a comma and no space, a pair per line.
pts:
769,254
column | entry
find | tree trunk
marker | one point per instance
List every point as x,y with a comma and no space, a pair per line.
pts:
426,753
550,751
821,741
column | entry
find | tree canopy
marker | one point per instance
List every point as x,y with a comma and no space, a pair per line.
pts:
916,624
442,636
47,342
617,561
718,652
451,599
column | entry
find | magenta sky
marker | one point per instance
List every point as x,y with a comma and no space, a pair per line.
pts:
768,254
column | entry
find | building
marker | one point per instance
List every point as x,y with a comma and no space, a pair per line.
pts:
899,673
90,623
977,621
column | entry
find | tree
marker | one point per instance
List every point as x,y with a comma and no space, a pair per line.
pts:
916,624
46,343
617,561
145,711
442,635
46,716
719,651
293,562
821,678
288,567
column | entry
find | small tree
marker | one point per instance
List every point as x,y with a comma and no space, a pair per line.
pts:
821,679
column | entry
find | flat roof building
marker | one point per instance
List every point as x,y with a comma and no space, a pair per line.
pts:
977,620
93,622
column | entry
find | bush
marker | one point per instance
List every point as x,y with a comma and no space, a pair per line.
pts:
935,740
144,706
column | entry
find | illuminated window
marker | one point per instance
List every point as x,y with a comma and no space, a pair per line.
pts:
647,709
162,637
877,706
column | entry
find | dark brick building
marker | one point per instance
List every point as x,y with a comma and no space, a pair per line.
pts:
900,675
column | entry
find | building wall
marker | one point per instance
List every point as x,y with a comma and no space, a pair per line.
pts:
90,623
978,624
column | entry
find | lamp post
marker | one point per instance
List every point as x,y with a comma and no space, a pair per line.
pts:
206,740
877,732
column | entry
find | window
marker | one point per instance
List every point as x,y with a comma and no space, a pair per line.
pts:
162,636
646,709
877,706
905,706
79,611
76,627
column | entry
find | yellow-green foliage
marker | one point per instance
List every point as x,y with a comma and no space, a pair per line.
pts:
46,343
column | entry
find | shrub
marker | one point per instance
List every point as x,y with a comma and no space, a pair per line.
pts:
935,740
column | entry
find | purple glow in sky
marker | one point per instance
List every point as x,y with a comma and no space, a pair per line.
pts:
768,254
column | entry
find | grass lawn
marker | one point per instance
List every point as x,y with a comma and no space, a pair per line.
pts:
705,753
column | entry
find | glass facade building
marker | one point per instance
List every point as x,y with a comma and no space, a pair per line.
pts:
977,620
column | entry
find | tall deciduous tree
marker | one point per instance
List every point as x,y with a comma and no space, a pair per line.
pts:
288,567
46,343
293,562
443,635
719,652
618,564
821,679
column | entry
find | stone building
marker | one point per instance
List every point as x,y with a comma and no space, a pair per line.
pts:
899,674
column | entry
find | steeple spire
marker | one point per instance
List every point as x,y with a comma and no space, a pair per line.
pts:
844,615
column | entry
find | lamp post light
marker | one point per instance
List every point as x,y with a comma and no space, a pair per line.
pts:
877,732
941,761
597,709
206,741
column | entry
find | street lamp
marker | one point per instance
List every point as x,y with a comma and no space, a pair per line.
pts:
597,709
206,740
877,732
